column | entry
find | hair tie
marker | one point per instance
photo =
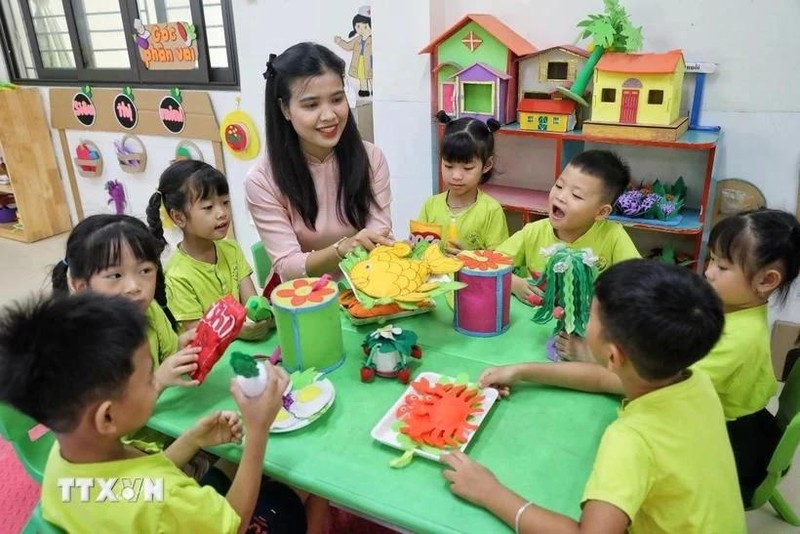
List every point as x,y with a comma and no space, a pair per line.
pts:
270,72
64,261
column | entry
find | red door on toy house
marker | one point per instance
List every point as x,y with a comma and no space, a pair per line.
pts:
630,101
448,103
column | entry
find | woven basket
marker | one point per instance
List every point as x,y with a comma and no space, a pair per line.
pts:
89,168
133,162
193,149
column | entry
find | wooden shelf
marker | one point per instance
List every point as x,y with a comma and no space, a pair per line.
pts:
6,189
691,140
519,198
8,230
690,224
537,203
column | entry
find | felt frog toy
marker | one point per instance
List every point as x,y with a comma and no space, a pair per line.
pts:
390,272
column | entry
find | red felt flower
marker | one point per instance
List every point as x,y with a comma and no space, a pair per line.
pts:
484,260
302,291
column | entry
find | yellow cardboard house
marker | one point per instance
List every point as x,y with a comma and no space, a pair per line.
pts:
638,89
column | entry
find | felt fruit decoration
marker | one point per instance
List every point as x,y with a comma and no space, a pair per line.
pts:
258,308
367,374
250,374
236,137
186,32
216,330
403,376
239,134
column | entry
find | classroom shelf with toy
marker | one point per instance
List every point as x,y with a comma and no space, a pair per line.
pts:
532,203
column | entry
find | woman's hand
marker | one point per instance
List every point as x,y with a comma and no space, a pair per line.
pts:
366,238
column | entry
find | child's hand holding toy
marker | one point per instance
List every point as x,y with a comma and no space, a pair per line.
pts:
172,369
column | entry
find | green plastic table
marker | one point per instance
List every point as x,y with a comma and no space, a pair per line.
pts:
541,441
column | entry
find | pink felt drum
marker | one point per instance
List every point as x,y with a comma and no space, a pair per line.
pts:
482,308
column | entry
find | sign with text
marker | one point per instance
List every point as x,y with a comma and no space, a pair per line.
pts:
166,46
125,109
83,108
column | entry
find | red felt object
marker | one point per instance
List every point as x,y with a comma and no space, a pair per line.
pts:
217,329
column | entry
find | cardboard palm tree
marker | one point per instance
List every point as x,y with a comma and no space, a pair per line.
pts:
610,31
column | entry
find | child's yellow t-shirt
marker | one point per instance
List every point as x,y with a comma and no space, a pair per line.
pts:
481,226
162,338
145,494
740,364
193,286
608,240
667,463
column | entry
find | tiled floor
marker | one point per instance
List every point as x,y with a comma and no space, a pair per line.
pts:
25,268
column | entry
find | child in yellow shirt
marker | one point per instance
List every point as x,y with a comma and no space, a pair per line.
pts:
581,200
665,465
206,266
81,365
468,218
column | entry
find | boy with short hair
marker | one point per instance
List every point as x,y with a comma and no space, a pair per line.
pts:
81,365
666,464
580,202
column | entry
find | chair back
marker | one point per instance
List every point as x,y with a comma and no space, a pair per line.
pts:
32,450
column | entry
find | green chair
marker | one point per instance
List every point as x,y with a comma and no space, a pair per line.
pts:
262,261
37,524
788,417
33,453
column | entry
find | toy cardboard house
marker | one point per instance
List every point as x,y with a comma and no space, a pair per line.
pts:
543,71
475,69
547,115
638,91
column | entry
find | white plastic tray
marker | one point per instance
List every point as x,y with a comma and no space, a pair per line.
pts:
384,433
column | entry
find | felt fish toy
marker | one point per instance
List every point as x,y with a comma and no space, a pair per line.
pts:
389,272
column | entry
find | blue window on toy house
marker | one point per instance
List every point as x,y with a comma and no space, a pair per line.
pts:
542,122
556,120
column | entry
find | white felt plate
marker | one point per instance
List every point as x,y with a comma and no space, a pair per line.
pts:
383,430
302,423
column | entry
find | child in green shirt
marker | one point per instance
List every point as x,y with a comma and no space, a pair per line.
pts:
468,218
206,266
81,365
665,465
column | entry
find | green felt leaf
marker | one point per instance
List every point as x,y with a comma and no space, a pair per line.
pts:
301,379
461,379
127,91
87,90
405,442
402,461
397,425
176,94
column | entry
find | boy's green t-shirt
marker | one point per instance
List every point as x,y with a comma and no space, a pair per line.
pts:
667,463
607,239
144,494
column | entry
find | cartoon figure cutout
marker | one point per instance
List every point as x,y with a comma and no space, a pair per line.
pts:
360,44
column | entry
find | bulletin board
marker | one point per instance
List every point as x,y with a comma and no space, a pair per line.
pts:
199,121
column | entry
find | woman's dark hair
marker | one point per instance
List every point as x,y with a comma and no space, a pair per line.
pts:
757,239
96,244
356,20
467,138
354,193
181,184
